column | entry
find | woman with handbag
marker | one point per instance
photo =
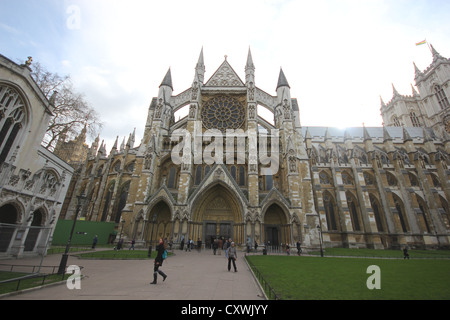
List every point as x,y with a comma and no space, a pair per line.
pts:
158,262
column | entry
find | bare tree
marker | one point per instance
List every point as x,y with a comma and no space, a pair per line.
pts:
71,110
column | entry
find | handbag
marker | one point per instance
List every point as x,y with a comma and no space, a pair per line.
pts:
164,256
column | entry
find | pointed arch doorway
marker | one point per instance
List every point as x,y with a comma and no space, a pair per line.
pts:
277,230
217,214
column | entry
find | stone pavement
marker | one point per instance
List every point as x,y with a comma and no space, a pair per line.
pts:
191,276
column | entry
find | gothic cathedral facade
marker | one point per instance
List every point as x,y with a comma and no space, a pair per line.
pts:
225,171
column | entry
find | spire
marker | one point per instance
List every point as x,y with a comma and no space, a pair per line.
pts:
383,105
386,135
282,81
436,54
167,81
417,72
414,92
426,135
366,134
406,135
249,64
131,137
200,68
102,148
307,134
114,148
395,90
249,69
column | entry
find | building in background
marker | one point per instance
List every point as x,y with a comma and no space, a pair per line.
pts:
33,181
276,182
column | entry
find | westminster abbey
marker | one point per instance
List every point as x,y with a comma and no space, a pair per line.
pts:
225,171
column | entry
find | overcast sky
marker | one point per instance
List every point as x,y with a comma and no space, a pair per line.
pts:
339,56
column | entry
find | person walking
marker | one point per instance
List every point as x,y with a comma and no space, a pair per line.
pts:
405,253
215,245
227,245
299,248
94,242
232,256
158,262
133,242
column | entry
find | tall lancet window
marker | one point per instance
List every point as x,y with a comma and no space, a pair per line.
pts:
12,119
414,119
441,97
396,121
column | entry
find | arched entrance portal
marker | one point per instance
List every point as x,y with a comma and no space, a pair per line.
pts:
217,215
277,231
8,218
159,223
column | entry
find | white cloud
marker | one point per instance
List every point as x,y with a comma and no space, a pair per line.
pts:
338,56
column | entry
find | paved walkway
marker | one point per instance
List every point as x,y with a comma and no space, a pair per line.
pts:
191,276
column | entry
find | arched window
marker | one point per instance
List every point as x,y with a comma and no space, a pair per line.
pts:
374,203
241,176
352,206
400,212
330,211
198,175
347,178
422,215
324,178
107,201
414,119
395,121
392,181
12,119
171,181
441,97
122,201
233,172
368,178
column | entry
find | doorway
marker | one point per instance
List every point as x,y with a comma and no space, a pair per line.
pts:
272,236
216,230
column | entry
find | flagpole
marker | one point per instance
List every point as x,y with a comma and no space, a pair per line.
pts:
428,46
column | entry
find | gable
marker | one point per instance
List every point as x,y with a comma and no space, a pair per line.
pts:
225,76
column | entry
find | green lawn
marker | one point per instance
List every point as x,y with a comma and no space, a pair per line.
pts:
303,278
381,253
26,283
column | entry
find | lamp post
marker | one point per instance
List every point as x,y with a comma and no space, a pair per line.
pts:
119,244
62,265
151,237
320,239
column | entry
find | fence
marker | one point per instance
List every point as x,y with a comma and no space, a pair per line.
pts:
35,278
270,292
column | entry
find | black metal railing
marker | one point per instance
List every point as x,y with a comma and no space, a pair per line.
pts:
34,277
268,289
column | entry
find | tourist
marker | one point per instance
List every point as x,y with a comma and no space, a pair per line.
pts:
94,242
405,253
232,256
215,245
299,248
158,262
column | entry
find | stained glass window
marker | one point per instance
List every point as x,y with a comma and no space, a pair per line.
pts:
223,112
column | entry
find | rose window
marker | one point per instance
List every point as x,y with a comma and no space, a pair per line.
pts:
223,112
